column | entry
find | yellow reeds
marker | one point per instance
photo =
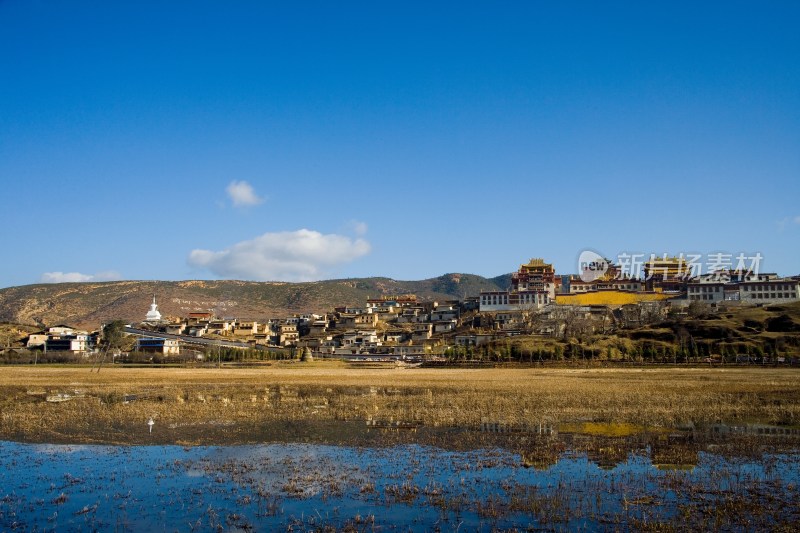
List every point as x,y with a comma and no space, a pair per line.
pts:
117,403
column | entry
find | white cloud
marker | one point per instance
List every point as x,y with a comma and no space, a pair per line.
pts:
358,227
72,277
785,221
302,255
64,277
242,194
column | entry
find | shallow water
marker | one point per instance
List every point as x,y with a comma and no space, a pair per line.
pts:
285,486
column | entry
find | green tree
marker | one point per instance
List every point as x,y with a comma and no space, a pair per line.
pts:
112,338
558,353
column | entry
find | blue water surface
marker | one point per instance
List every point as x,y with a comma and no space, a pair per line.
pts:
303,487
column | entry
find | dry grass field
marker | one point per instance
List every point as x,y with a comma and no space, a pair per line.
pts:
196,404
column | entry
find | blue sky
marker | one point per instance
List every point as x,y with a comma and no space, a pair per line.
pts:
203,140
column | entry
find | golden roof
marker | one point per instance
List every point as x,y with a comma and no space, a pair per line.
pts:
536,263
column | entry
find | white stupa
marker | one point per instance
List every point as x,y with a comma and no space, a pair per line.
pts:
153,315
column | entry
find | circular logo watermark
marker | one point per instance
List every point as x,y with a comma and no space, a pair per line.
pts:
591,266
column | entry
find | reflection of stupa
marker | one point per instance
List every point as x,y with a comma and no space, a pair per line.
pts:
153,315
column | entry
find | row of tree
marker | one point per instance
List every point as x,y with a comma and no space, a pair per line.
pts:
649,352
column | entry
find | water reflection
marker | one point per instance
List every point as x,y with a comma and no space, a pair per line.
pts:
471,481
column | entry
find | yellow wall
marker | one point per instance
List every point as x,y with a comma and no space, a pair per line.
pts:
610,298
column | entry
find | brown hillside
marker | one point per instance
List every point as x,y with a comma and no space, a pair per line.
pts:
89,304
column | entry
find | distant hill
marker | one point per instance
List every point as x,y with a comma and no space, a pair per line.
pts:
90,304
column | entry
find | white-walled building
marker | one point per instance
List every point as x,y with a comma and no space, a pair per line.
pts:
74,341
532,287
158,345
748,288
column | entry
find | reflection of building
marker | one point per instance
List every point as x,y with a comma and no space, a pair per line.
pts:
542,458
761,430
674,452
532,287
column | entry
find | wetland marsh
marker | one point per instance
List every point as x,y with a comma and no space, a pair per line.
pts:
326,447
